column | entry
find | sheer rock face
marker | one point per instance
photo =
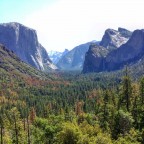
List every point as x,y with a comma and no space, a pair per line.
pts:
130,52
116,59
94,58
24,43
113,39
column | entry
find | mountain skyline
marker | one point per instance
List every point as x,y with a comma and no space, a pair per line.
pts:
63,24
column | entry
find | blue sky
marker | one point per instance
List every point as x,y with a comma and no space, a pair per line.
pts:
64,24
17,10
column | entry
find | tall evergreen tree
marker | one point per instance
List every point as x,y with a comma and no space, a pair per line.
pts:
127,89
1,127
142,90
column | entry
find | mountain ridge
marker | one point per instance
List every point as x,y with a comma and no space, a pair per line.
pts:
55,56
112,39
130,52
74,59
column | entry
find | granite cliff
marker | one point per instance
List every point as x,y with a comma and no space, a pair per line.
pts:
24,43
127,54
113,39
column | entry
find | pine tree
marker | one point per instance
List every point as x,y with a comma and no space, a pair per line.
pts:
127,90
105,119
142,90
1,127
135,103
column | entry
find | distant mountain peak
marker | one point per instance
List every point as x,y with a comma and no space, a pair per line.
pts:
113,39
74,59
55,56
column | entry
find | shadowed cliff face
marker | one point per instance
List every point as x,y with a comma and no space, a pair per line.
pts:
24,42
128,53
94,58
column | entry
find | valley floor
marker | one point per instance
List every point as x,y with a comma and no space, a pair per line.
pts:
66,108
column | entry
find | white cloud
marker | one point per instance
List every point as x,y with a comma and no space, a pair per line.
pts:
67,23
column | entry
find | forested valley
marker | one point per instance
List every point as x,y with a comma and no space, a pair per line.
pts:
71,108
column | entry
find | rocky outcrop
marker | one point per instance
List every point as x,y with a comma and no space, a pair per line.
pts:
94,58
113,39
74,59
130,52
126,54
24,43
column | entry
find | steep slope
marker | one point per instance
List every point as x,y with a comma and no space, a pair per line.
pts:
74,59
113,39
127,54
55,56
24,42
94,58
10,64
